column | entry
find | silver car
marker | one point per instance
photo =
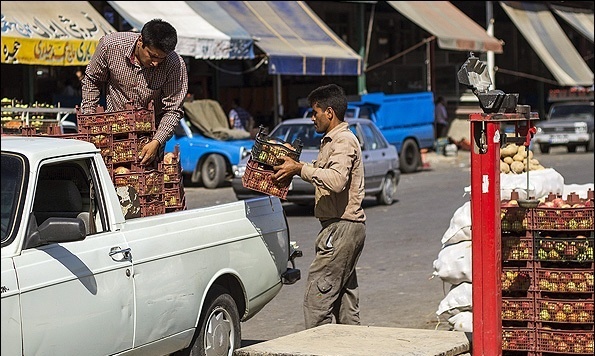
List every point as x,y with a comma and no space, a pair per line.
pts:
381,161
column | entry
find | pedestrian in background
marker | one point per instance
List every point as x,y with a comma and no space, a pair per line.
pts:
240,118
440,118
338,179
139,68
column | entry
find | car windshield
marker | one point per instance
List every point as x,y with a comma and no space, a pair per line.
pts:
572,111
305,132
13,181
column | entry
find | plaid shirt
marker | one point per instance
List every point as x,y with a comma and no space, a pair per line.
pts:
114,66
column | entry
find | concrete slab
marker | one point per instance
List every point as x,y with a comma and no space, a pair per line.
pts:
350,340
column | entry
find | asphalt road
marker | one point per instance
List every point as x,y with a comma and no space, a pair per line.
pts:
403,240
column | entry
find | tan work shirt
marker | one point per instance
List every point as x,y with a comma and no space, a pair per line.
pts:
338,176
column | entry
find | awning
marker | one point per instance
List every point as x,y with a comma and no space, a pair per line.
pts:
454,30
295,39
548,40
580,19
197,36
51,32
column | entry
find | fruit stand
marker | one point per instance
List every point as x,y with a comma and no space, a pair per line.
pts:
532,260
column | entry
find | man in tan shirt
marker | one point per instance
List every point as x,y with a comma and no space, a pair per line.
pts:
338,178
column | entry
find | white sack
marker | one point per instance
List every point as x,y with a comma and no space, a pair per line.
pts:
459,297
454,263
541,183
462,322
460,226
580,189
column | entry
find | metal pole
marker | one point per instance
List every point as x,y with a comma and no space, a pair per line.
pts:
490,32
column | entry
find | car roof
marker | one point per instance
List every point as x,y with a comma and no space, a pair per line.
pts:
307,120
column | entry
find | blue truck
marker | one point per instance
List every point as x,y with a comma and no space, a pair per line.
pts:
406,120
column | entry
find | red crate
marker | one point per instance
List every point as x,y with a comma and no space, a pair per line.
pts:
259,177
514,219
100,140
267,150
564,310
516,279
517,248
127,150
566,280
562,219
567,342
518,309
132,119
566,249
149,182
518,339
153,208
173,197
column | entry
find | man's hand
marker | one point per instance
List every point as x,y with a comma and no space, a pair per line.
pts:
286,171
149,152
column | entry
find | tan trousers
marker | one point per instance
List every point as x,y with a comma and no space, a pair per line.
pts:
332,289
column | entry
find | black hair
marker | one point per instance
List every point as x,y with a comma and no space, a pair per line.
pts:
160,35
330,95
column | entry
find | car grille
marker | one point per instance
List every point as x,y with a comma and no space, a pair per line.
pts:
554,130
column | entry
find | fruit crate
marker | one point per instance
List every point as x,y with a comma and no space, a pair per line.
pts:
152,208
518,309
172,168
173,197
566,342
127,150
564,280
144,182
517,248
564,310
267,150
577,248
132,119
517,279
562,219
518,339
514,219
259,177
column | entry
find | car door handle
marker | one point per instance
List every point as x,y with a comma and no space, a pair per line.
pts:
126,254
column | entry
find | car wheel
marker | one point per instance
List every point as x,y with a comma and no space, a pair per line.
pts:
571,148
410,158
544,148
385,197
589,146
218,330
212,171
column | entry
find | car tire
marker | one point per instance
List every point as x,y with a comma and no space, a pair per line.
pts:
410,158
213,171
544,148
219,331
571,148
385,197
589,145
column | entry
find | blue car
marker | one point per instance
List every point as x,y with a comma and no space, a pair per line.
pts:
205,160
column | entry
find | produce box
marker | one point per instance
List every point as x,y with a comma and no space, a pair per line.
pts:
518,339
565,310
567,342
517,309
132,119
267,150
564,280
258,177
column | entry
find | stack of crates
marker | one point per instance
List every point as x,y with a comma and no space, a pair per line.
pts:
547,277
266,153
172,176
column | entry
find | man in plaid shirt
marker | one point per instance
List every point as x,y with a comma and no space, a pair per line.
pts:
139,68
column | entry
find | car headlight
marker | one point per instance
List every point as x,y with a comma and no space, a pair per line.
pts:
580,127
539,130
244,152
239,170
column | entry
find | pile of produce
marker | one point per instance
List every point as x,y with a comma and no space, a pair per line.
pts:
513,159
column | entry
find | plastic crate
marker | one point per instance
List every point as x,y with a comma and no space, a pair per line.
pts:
517,248
173,197
564,310
567,342
514,219
132,119
259,177
518,309
564,280
567,249
518,339
127,150
173,170
562,219
153,208
516,279
267,150
149,182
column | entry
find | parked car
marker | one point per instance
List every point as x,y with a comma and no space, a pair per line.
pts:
568,124
381,161
206,160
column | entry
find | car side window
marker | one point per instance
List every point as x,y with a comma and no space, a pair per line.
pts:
372,138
